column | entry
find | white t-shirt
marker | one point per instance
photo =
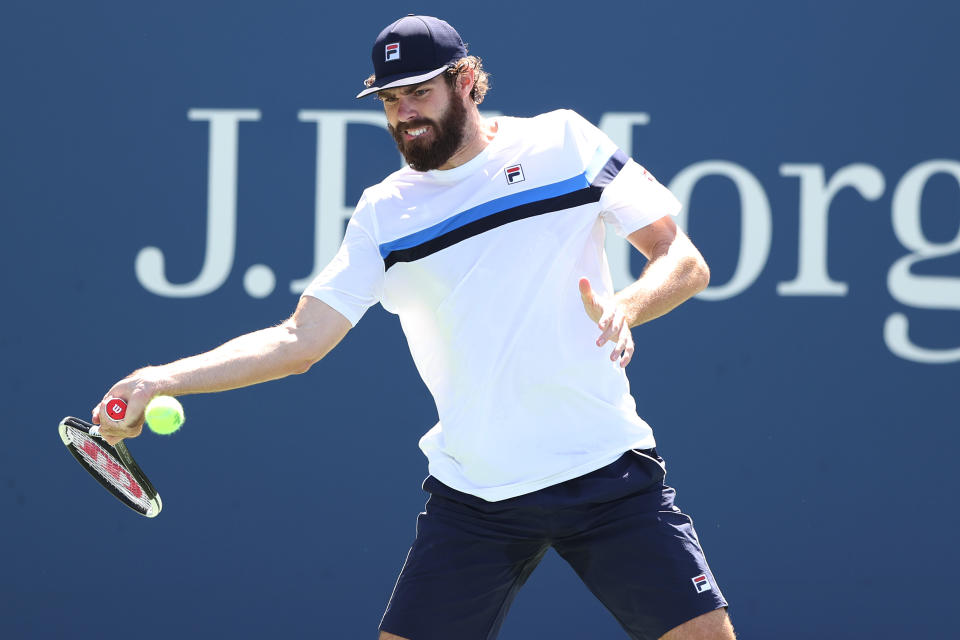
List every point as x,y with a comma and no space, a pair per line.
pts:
481,263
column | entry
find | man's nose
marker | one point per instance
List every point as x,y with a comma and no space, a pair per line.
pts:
405,110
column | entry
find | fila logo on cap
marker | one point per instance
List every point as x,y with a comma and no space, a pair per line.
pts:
701,584
514,174
393,51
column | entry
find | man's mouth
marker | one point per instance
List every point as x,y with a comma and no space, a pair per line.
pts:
415,133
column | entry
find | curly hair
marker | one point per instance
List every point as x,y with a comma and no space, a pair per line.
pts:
481,78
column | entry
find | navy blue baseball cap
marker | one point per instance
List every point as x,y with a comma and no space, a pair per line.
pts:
412,50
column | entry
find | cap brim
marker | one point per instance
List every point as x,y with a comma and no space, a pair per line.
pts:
391,82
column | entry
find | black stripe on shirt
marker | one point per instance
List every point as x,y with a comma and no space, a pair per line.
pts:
577,198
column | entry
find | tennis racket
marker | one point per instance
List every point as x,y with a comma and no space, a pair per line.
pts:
112,466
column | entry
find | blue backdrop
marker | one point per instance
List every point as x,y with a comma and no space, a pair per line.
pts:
803,402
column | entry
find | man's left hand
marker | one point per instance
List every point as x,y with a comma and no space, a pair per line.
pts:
611,319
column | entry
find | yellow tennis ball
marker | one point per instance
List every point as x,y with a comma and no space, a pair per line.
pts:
164,415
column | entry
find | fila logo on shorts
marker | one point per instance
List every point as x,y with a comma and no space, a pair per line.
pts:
514,174
701,584
393,51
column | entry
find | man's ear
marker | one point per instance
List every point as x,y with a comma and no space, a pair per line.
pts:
465,80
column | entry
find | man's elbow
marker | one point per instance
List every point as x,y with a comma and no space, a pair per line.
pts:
697,272
702,274
692,268
300,356
306,353
302,366
310,343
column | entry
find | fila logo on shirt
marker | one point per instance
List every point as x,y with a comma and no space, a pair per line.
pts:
514,174
701,584
393,51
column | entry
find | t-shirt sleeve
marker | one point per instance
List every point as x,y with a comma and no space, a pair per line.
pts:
631,198
353,281
634,199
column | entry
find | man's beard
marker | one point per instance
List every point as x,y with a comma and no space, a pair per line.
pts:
448,135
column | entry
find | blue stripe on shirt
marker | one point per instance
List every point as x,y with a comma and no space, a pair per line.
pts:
486,209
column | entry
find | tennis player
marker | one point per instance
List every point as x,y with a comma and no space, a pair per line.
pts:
489,246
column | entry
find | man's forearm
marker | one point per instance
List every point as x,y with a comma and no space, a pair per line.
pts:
672,276
268,354
292,347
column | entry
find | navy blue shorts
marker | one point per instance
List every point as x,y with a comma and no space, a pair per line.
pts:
617,527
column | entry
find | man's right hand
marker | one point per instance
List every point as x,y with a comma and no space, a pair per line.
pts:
136,390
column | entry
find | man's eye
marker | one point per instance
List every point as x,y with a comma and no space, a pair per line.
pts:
388,99
421,92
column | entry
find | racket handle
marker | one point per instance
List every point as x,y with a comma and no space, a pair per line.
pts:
116,409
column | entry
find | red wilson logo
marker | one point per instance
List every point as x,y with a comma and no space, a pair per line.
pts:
116,409
115,470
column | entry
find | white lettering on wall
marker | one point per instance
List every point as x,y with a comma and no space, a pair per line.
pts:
919,291
815,198
755,224
330,212
221,212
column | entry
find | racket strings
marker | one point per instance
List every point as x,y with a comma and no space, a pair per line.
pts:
109,468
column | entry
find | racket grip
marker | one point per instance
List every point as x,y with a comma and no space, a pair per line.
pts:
116,409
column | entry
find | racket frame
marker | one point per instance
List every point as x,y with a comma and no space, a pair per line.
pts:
122,456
